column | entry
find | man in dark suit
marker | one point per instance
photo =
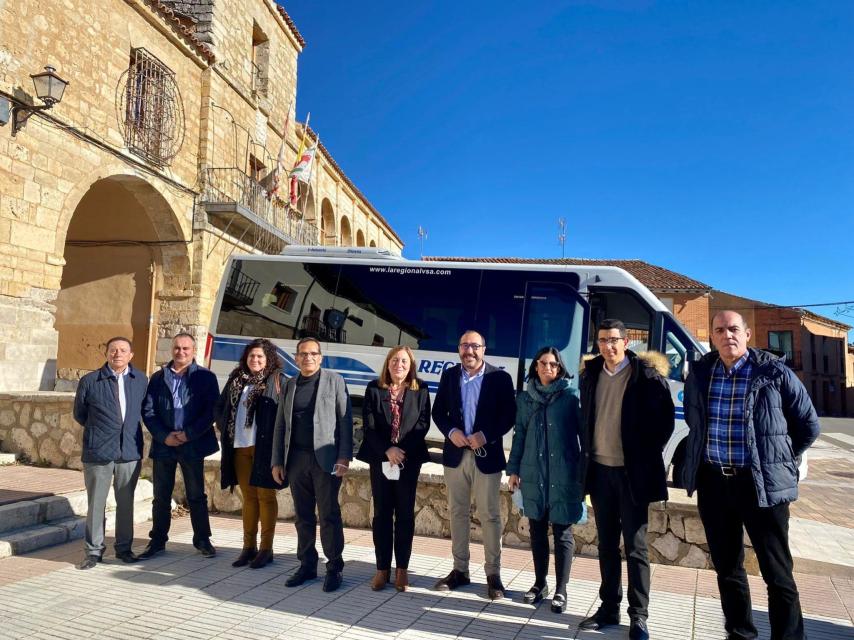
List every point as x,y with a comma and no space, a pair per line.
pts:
178,411
312,449
475,406
107,405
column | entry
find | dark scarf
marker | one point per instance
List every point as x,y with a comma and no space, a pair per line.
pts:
548,393
238,380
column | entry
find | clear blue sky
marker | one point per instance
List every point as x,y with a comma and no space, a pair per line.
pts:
712,138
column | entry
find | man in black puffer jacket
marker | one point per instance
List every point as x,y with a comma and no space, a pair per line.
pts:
626,419
751,420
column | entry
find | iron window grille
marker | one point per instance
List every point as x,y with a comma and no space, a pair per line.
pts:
150,109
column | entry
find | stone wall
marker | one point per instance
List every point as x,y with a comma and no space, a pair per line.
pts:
40,427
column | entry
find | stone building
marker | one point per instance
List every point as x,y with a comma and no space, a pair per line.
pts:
120,205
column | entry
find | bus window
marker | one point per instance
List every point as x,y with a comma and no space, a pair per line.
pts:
620,304
499,311
417,307
295,303
554,316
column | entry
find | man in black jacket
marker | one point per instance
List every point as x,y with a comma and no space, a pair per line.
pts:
627,418
108,405
475,406
178,411
751,419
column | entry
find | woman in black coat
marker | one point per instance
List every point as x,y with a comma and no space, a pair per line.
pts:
246,417
396,417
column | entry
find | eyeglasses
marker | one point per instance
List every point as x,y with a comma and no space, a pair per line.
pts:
548,365
308,354
611,342
474,346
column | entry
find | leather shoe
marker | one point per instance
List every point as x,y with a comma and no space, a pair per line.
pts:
494,588
599,620
246,556
452,581
638,629
150,551
332,580
535,594
128,557
206,549
381,578
401,579
88,562
558,603
264,557
301,575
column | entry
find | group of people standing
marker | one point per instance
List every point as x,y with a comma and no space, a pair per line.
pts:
750,421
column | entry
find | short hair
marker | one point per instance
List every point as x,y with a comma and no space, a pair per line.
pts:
723,311
118,339
561,367
309,339
410,380
474,331
183,334
611,323
274,361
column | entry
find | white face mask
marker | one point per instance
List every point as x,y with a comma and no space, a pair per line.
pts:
391,471
516,496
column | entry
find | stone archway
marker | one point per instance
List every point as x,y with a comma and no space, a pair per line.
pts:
327,224
360,238
120,236
346,232
373,243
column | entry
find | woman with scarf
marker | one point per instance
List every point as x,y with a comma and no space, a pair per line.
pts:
543,464
246,416
396,417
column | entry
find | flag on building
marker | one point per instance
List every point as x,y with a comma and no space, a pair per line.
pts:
302,170
279,171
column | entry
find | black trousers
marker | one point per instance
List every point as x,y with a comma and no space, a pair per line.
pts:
727,504
193,472
564,547
616,513
393,525
312,487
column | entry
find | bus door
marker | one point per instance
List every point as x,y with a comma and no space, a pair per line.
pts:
554,314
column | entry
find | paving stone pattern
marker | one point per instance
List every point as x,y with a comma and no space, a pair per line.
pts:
182,595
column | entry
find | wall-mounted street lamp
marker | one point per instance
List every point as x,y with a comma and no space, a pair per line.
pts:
49,89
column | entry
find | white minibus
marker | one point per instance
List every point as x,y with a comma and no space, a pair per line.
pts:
359,302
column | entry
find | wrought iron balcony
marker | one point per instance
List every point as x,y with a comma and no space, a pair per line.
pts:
316,328
239,205
240,290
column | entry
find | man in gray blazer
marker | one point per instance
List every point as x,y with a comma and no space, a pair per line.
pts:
312,449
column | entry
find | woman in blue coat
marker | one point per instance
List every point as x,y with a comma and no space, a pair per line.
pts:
544,465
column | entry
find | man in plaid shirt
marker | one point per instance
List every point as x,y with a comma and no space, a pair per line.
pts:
751,420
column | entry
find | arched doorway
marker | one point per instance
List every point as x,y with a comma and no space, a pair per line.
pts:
346,232
360,238
121,233
373,243
327,223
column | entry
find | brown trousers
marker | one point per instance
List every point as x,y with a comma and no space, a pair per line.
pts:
258,503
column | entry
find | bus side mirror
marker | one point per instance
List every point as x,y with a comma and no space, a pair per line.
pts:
691,357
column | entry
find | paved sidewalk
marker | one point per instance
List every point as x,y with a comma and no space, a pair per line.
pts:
182,595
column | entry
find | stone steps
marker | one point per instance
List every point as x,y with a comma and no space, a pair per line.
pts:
29,525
